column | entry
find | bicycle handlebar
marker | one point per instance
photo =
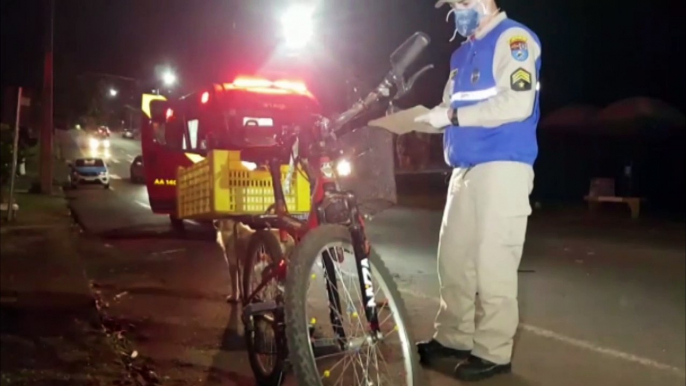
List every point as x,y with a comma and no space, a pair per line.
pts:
381,91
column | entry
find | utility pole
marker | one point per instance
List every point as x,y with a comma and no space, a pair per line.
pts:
15,151
46,138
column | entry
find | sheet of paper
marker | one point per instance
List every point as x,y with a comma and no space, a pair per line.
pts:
403,122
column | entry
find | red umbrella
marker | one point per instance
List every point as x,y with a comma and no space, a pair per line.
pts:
639,115
572,118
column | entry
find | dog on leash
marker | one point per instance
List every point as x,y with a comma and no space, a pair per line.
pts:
233,238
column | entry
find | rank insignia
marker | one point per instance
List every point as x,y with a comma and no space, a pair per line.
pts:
520,80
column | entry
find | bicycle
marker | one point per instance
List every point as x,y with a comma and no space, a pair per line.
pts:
334,227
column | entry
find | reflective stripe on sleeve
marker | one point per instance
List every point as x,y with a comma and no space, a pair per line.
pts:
477,95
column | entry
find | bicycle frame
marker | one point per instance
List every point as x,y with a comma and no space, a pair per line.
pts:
324,191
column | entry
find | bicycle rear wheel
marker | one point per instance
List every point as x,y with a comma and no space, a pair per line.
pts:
264,332
359,353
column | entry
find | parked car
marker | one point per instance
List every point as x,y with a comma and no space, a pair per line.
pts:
137,171
127,134
88,171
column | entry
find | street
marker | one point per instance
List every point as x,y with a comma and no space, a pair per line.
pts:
599,304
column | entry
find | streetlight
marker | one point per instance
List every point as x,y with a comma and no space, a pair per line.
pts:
298,26
113,92
169,78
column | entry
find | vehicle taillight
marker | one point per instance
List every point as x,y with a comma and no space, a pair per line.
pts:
266,86
205,97
170,113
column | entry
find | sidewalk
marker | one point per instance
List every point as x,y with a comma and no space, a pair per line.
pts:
50,333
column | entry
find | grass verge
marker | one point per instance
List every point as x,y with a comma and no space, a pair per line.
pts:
51,333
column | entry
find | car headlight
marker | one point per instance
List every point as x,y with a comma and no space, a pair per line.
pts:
103,173
94,143
106,143
344,168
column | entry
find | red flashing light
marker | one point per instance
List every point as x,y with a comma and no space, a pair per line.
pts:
295,86
265,86
170,113
251,82
205,97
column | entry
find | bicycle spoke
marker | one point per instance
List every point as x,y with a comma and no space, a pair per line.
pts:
362,361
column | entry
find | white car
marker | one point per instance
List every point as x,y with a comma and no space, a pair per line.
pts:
89,171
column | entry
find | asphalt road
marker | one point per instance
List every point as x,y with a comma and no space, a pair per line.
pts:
602,299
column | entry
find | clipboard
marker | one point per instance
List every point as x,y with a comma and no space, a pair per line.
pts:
403,122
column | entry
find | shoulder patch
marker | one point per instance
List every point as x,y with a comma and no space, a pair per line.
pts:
519,48
520,80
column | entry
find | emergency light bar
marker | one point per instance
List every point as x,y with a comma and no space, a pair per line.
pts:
265,86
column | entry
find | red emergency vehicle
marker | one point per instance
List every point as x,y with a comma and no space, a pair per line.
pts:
245,114
160,164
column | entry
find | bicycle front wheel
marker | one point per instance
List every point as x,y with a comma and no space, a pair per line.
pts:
349,353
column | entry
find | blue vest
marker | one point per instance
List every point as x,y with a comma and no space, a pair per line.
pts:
470,146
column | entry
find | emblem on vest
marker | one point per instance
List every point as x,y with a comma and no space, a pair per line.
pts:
475,75
519,48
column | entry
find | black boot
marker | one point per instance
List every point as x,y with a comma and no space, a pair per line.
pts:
433,350
476,369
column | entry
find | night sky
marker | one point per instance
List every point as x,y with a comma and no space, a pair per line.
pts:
593,51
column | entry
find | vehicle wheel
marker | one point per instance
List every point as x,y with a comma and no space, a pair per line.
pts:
299,331
177,224
106,186
264,334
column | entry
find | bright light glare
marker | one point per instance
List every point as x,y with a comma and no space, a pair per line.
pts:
344,168
249,165
113,92
298,26
106,143
169,78
94,143
261,85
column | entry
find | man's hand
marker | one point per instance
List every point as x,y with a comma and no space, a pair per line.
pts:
438,117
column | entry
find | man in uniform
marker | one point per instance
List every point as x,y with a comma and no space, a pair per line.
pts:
488,116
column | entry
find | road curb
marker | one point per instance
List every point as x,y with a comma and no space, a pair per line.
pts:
77,218
139,373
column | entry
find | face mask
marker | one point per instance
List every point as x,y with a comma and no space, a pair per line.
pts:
466,20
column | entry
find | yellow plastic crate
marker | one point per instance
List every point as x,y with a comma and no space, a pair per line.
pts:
220,185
